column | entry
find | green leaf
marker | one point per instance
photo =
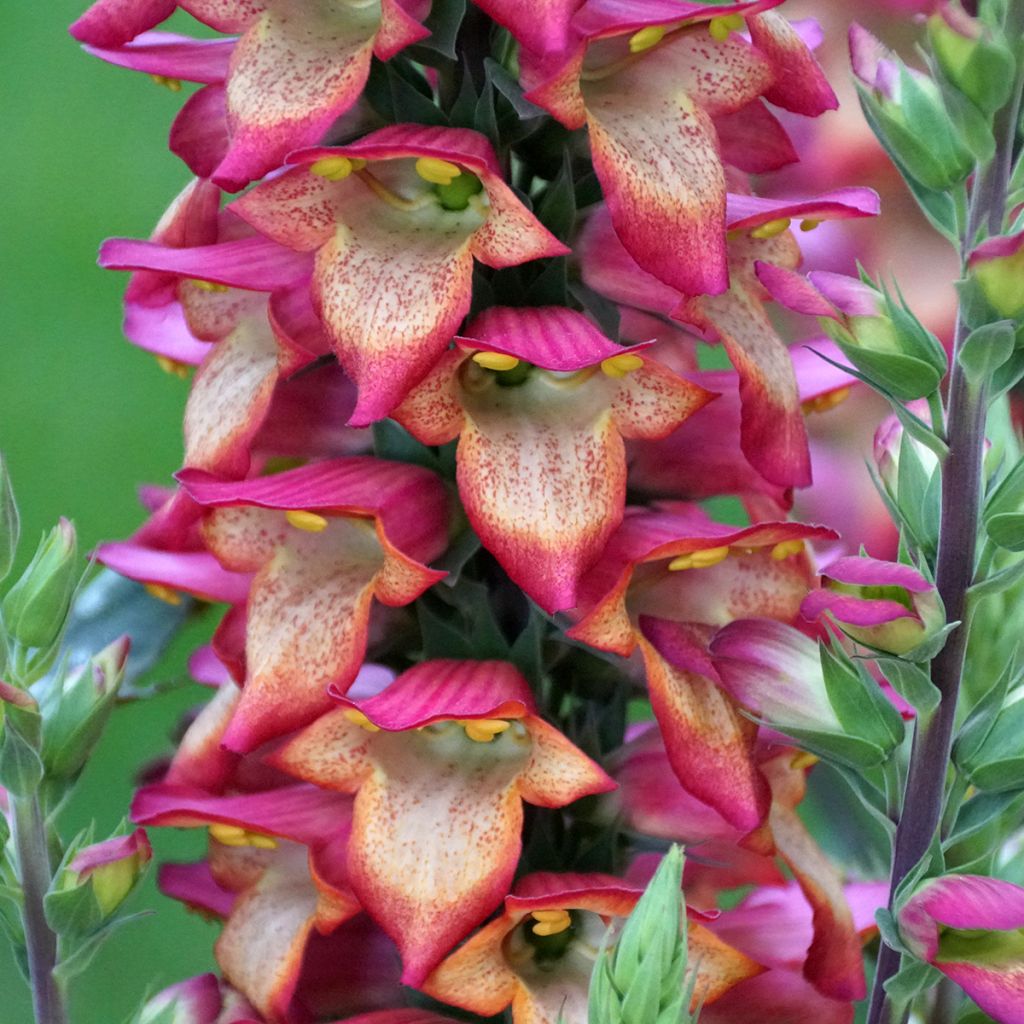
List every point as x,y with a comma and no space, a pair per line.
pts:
985,349
979,813
913,978
73,964
902,376
1007,530
443,22
394,443
21,769
557,207
510,88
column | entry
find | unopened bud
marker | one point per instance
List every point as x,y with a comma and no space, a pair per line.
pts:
76,708
112,868
980,65
37,605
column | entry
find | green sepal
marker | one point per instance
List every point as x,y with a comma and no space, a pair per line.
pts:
21,768
928,648
982,69
556,209
835,747
508,86
858,701
400,93
981,812
914,978
912,683
985,349
979,723
1004,510
78,959
918,494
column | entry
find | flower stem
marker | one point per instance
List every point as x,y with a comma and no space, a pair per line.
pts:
34,873
958,534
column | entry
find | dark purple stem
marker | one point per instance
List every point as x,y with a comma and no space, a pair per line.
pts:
34,873
961,498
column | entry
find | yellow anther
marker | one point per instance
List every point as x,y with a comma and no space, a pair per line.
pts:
358,163
495,360
174,84
208,286
235,835
437,172
721,28
550,922
771,228
804,760
483,730
308,521
699,559
166,594
333,168
786,549
173,367
646,38
809,223
829,400
619,366
358,718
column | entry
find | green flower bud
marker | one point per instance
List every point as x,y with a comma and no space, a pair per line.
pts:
76,708
36,607
641,981
977,63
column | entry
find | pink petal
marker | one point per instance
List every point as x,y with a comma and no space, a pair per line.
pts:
753,140
172,56
800,84
199,134
113,22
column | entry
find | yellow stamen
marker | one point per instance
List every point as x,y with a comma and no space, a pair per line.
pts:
173,367
308,521
333,168
550,922
483,730
809,223
358,163
358,718
437,172
646,38
166,594
786,549
699,559
174,84
721,28
495,360
829,400
234,835
771,228
208,286
804,760
618,366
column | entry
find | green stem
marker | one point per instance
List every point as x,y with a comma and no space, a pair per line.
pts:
958,534
34,873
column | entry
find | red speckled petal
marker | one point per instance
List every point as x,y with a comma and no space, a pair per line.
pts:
332,753
200,760
542,475
199,134
653,401
432,411
230,397
293,72
558,772
542,26
799,83
436,836
753,140
710,745
225,15
656,153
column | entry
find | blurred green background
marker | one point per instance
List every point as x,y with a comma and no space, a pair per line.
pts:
85,417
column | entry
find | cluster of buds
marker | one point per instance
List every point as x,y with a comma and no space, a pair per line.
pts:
455,315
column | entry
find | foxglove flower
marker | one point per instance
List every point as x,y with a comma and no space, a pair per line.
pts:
440,763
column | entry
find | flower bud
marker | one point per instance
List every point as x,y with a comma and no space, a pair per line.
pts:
37,605
827,703
972,59
8,521
76,708
640,981
112,868
906,110
884,605
997,266
194,1001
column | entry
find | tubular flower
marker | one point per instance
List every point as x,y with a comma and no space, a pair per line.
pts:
885,605
539,954
199,1000
440,763
647,79
772,434
259,340
396,220
972,929
324,540
281,852
675,561
297,67
540,401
